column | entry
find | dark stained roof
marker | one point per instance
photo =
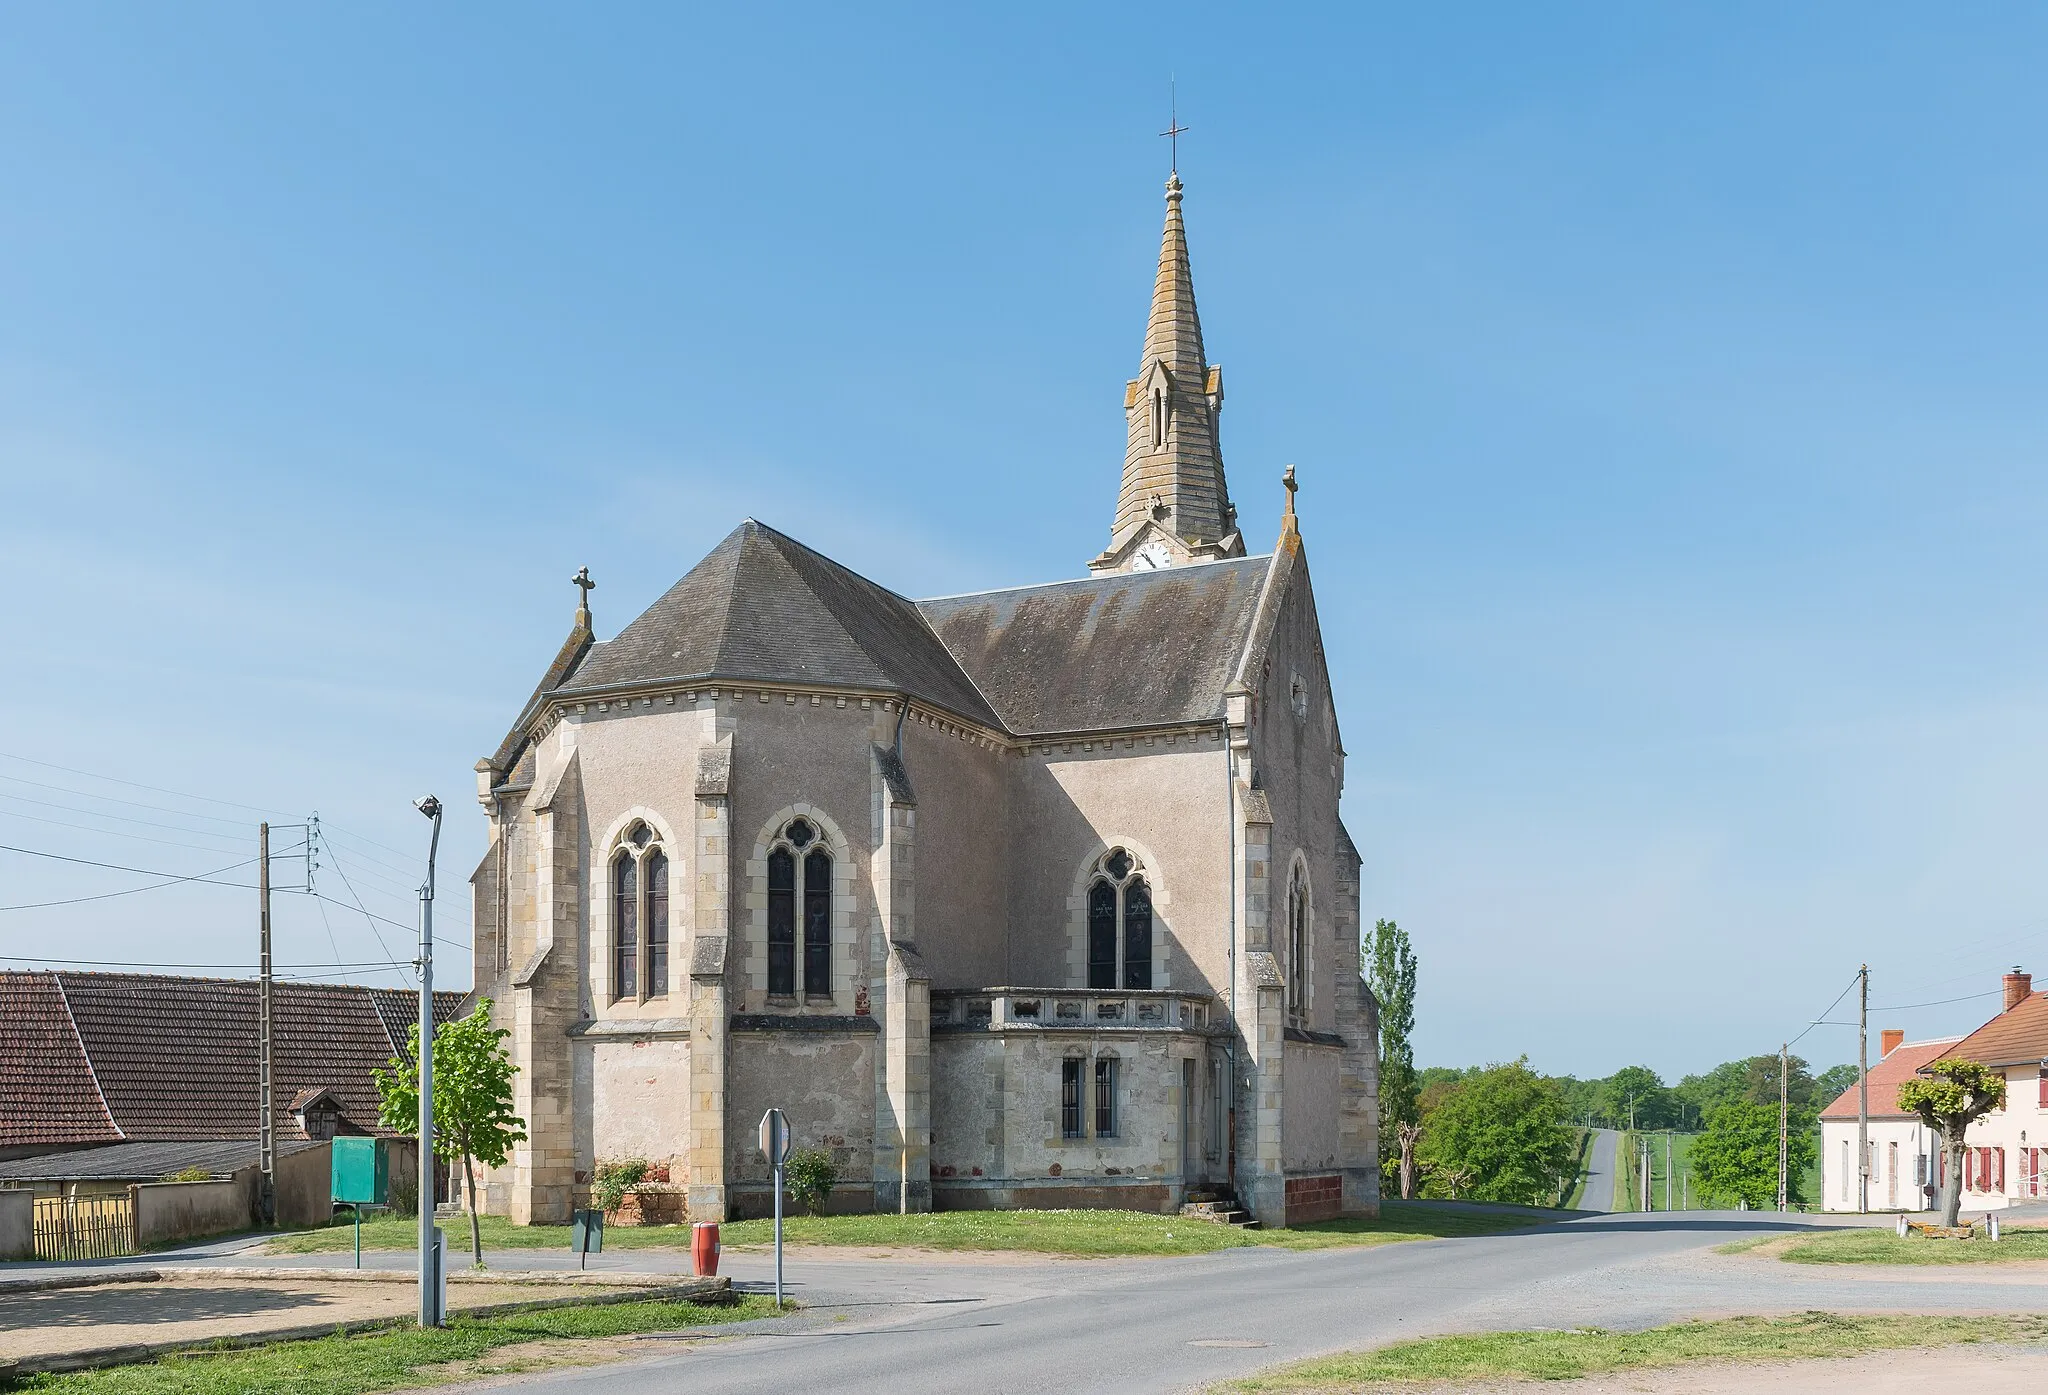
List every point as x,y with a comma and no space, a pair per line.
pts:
175,1058
763,606
47,1093
1125,649
2017,1036
1886,1076
140,1162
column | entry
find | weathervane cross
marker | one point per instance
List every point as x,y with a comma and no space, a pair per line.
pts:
1174,130
582,582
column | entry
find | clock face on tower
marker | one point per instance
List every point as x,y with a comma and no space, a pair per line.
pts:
1152,557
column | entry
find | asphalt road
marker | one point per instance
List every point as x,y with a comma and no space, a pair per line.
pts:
910,1327
1599,1193
1012,1323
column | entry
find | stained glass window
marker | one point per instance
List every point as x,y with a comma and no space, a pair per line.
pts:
782,923
625,928
657,924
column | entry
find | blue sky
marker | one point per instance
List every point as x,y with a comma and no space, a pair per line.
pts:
1664,383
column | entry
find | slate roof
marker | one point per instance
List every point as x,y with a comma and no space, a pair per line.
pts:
2017,1036
1125,649
140,1162
175,1058
763,606
47,1094
1886,1076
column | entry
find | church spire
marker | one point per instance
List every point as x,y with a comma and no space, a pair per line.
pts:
1174,505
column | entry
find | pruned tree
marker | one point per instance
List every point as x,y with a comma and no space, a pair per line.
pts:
1949,1096
1390,972
473,1118
1499,1135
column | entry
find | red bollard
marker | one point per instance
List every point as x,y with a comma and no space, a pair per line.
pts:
704,1248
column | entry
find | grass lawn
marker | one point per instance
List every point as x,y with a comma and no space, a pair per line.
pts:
1498,1356
1885,1247
1042,1232
406,1357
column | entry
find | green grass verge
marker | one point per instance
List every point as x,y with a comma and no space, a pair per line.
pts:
1570,1355
369,1361
1098,1233
1885,1247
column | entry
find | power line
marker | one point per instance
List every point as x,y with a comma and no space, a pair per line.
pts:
1940,1002
343,872
331,944
134,785
119,818
149,964
1824,1012
130,803
106,832
439,939
169,878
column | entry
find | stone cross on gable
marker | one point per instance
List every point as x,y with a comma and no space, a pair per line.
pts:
584,585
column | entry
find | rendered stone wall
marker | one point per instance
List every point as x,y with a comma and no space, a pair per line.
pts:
823,1081
639,1096
1308,1130
963,854
17,1223
167,1211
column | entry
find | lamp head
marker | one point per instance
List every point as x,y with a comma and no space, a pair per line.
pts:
429,806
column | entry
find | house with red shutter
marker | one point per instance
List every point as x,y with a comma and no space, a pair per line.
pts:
2005,1158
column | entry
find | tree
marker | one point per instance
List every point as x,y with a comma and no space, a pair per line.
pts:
1831,1082
1736,1159
1636,1097
1952,1095
1500,1135
473,1118
1391,975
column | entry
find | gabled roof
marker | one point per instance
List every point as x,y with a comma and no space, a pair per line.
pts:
1122,649
175,1058
141,1162
764,607
47,1094
2017,1036
1886,1076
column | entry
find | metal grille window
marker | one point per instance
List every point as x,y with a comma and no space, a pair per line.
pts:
625,927
639,904
657,924
1070,1098
1105,1097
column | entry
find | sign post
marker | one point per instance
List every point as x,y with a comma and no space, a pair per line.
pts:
775,1148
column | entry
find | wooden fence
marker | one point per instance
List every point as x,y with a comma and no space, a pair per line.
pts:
84,1227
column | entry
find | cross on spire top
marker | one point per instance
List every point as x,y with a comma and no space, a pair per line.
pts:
584,586
1174,130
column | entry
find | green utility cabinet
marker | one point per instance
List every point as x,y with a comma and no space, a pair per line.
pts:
362,1171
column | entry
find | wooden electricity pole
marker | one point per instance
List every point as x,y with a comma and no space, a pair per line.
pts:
1784,1080
266,1140
1863,1093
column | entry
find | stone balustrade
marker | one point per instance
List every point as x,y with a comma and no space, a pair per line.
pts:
1069,1010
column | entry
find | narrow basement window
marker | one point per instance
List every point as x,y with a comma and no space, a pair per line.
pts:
1070,1098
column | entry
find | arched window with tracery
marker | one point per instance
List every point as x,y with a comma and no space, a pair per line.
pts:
1298,926
1119,923
799,897
639,897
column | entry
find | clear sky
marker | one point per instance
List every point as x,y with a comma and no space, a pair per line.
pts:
1665,384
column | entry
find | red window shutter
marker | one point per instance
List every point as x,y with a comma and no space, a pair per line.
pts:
2043,1101
1998,1180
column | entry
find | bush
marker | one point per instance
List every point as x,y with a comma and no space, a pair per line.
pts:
809,1175
614,1180
187,1174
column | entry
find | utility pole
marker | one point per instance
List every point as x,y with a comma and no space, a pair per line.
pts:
266,1136
1863,1093
1784,1081
431,1280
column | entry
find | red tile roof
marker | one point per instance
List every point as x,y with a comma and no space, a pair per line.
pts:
175,1058
47,1094
2017,1036
1886,1077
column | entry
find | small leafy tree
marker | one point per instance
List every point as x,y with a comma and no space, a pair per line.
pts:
1390,963
1736,1159
810,1177
613,1180
1952,1095
473,1118
1500,1135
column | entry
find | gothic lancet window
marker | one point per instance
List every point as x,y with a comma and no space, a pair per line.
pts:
1158,417
1297,946
639,905
799,893
1119,923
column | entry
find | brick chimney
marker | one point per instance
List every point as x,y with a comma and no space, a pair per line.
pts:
1889,1040
2018,988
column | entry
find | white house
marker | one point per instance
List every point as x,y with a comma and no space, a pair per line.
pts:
2006,1151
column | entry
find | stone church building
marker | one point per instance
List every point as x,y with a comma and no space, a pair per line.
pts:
1028,898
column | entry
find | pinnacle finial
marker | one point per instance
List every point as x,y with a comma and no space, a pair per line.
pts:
1288,521
1173,132
584,586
